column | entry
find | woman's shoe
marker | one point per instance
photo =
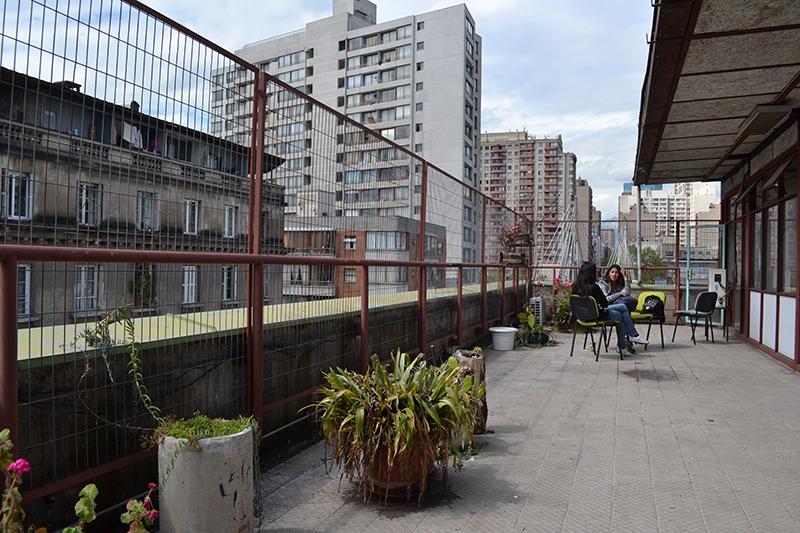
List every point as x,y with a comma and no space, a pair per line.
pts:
638,339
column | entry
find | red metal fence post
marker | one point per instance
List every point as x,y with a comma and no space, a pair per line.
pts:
484,303
364,329
677,264
8,346
502,284
255,278
422,295
459,303
516,290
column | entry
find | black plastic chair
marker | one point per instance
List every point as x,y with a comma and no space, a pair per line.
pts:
585,313
704,306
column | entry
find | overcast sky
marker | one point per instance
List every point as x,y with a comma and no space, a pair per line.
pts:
573,67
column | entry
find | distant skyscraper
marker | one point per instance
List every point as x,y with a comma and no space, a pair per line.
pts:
416,80
532,175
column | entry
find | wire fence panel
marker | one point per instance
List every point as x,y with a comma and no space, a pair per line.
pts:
255,236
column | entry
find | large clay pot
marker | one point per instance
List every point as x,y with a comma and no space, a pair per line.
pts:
402,480
207,490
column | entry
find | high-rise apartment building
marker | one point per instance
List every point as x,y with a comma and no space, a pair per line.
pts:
533,176
416,80
683,203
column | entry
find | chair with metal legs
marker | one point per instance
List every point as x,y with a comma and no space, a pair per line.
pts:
586,314
704,306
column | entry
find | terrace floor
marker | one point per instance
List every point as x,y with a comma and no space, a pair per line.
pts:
689,438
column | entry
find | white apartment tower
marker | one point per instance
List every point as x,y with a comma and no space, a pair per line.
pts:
415,79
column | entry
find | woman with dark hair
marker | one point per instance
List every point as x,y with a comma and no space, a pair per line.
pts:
616,288
586,285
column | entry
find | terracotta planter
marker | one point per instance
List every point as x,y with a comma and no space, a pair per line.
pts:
401,480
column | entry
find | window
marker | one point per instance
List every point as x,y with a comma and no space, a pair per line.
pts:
420,25
17,195
418,127
419,85
421,45
350,275
404,52
146,210
757,243
386,240
23,290
420,66
89,204
231,216
229,283
418,147
469,27
469,48
191,215
350,242
189,284
85,288
418,106
404,32
772,249
789,246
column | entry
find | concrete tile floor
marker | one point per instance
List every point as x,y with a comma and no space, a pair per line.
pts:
689,438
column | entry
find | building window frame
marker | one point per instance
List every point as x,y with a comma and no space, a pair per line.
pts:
85,287
229,283
189,284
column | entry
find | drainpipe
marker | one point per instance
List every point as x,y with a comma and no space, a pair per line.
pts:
638,234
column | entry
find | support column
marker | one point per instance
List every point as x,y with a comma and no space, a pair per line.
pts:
364,328
8,346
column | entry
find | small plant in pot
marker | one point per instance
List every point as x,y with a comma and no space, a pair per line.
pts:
530,332
386,428
208,467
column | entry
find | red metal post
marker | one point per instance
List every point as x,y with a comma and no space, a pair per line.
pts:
8,346
364,329
483,232
484,303
459,303
677,264
516,290
422,295
255,277
502,284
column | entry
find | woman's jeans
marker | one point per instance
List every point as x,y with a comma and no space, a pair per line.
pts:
620,314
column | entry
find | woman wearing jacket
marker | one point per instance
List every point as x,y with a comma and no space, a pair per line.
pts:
586,285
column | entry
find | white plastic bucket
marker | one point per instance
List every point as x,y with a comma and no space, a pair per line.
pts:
503,338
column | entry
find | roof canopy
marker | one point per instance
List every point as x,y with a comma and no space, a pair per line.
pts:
720,76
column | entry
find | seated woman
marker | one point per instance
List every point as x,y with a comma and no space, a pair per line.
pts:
616,287
586,285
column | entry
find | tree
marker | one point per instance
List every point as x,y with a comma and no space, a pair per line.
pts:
650,260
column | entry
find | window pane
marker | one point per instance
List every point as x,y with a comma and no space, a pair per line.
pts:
757,251
772,249
790,246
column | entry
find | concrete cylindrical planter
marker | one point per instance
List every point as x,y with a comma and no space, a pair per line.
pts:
503,338
206,490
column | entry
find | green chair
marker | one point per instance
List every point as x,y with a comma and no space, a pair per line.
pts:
585,313
639,315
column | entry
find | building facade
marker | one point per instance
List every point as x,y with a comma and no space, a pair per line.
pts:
364,238
533,176
78,171
415,80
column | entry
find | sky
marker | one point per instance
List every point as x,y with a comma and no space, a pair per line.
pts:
569,67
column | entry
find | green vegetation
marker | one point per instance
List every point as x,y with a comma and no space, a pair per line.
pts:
409,414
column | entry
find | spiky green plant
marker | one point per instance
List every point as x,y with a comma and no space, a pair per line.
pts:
407,414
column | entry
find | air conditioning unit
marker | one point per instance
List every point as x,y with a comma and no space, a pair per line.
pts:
538,309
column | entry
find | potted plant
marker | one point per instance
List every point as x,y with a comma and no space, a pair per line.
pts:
531,332
386,428
141,286
207,466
